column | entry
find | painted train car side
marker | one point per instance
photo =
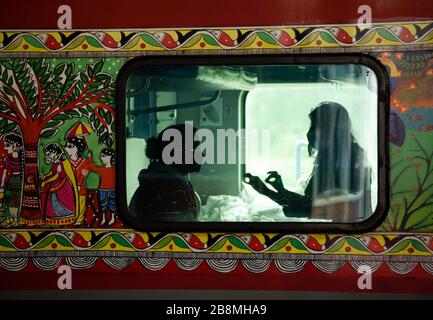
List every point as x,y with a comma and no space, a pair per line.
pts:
61,227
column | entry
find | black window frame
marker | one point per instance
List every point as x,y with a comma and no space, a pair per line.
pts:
383,111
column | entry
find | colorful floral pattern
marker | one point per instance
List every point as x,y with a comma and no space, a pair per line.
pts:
289,253
267,244
210,39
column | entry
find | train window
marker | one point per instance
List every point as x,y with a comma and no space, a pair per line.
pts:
255,143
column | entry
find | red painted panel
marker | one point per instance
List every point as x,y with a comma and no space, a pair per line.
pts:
204,278
102,14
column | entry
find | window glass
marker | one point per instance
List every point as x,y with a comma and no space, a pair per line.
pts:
251,143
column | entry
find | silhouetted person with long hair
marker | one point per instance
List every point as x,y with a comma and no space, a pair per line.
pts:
340,166
165,193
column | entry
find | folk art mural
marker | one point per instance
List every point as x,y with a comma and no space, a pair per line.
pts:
57,158
52,110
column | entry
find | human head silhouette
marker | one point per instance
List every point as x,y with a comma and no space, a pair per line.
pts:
340,162
330,128
155,148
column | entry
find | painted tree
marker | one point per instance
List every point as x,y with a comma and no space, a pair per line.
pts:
411,183
39,97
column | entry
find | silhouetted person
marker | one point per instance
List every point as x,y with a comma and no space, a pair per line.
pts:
340,166
165,193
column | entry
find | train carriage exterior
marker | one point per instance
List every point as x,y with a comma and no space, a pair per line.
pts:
64,74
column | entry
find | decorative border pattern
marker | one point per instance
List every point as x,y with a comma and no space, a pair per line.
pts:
256,266
205,245
330,36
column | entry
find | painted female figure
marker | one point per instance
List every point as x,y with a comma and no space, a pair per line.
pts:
11,179
60,205
75,147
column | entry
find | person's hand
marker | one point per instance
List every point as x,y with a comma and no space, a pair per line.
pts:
85,172
274,179
256,183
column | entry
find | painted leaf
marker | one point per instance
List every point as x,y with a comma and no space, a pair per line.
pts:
45,242
108,118
69,69
103,137
89,70
149,40
6,64
84,78
5,75
209,40
4,242
297,244
101,77
15,63
218,245
102,243
248,41
400,246
355,244
327,37
98,66
25,82
386,34
309,39
420,218
419,246
33,41
279,244
131,43
49,133
109,141
237,243
10,127
73,113
93,42
63,241
162,243
61,117
3,123
267,38
180,243
121,241
51,124
58,70
195,39
75,43
336,246
80,85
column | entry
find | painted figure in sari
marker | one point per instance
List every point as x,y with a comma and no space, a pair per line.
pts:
75,147
107,185
59,191
11,179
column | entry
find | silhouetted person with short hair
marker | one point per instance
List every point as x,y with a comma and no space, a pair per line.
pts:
340,166
165,193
